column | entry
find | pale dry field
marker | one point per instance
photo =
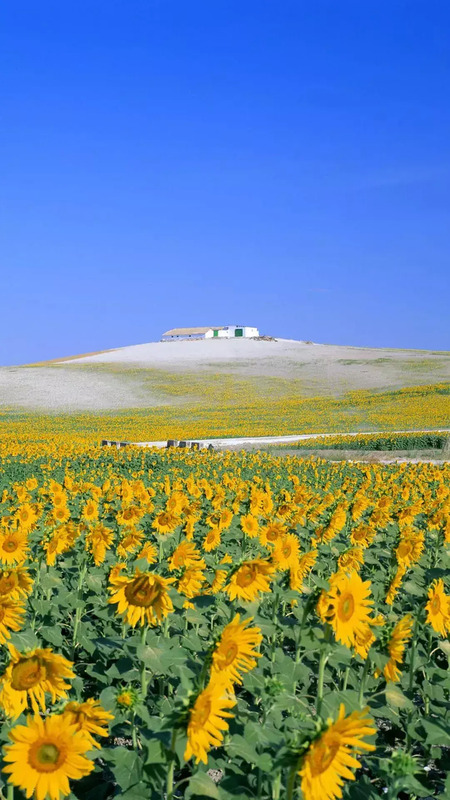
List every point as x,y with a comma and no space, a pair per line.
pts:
139,376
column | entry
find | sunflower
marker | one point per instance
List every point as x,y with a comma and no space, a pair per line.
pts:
335,525
90,511
362,536
57,544
249,579
286,551
330,758
45,754
61,514
211,540
225,519
249,525
59,499
176,503
364,637
269,534
11,617
13,547
15,583
129,516
149,553
235,651
351,560
207,721
410,549
186,555
438,608
88,717
98,541
302,568
395,585
142,598
127,697
220,577
165,522
396,647
348,606
29,676
26,517
191,582
130,542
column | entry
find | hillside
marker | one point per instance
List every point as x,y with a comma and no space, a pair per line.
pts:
172,373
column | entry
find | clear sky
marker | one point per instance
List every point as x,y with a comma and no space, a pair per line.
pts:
278,163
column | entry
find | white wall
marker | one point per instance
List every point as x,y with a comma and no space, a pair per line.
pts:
224,333
184,338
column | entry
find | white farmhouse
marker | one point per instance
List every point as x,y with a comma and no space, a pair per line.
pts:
218,332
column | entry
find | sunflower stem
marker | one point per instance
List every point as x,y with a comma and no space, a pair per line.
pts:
408,741
259,784
133,731
345,679
143,671
171,768
276,787
323,660
78,609
291,782
10,791
362,685
322,663
413,654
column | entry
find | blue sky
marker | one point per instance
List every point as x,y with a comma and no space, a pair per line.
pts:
277,163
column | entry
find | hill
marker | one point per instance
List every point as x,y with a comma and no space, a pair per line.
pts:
161,374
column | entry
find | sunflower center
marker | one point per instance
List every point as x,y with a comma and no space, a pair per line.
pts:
203,711
435,605
27,674
8,582
45,756
324,754
286,550
141,593
346,606
124,699
246,576
10,545
405,549
229,654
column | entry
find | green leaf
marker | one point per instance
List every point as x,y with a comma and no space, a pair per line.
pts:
412,588
436,733
416,788
94,583
152,657
25,640
241,747
52,635
201,785
395,697
125,765
155,752
445,647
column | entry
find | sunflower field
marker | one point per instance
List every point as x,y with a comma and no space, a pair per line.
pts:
222,625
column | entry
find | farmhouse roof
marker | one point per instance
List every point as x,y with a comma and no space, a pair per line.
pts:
187,331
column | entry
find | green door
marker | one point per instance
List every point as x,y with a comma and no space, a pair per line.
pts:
215,333
238,332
